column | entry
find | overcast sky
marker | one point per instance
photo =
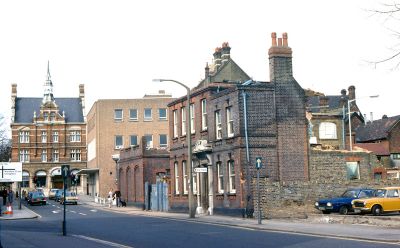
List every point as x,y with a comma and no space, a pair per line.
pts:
115,48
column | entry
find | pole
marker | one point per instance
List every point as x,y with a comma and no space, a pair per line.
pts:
64,227
19,195
258,196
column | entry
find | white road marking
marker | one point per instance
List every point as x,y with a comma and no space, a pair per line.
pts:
55,211
73,212
93,210
82,214
103,241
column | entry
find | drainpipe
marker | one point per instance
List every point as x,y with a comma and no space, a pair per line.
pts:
248,177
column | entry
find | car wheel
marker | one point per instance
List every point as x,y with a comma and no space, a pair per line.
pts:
326,212
376,210
343,210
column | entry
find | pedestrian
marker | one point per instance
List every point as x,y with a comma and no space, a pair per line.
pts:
4,194
118,197
10,196
110,197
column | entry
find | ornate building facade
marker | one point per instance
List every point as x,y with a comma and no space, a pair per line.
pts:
46,133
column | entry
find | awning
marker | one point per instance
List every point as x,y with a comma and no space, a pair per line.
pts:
87,171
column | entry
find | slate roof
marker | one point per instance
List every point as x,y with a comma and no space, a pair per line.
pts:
25,106
313,103
377,130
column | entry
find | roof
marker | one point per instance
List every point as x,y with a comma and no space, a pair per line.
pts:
313,103
26,106
377,130
379,149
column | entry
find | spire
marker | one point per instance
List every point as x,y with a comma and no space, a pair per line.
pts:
48,87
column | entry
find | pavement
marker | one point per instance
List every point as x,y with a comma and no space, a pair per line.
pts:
369,228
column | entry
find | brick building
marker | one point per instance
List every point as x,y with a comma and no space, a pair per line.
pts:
234,121
114,124
46,133
329,120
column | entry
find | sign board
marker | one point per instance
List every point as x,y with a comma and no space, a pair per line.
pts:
200,169
65,170
258,163
11,172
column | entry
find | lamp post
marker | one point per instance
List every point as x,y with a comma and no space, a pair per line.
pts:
115,157
349,112
19,160
189,145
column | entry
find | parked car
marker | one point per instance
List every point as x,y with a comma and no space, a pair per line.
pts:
385,199
37,198
342,204
70,197
58,194
52,193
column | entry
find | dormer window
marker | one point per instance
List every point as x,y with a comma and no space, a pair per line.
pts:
52,116
46,116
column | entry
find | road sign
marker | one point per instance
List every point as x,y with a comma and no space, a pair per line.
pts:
11,172
258,163
200,169
65,170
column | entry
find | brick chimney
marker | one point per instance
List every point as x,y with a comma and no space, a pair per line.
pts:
343,98
280,59
217,58
82,97
13,98
226,52
352,92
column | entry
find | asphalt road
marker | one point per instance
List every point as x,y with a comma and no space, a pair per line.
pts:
91,227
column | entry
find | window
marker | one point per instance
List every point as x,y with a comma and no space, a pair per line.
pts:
229,122
147,114
118,142
56,156
44,136
183,116
149,141
176,178
204,114
218,128
52,116
185,177
133,139
24,137
76,155
175,114
24,155
46,116
162,114
393,193
194,175
353,170
118,114
396,156
192,126
220,174
163,140
55,136
232,186
75,136
327,130
44,155
25,179
133,114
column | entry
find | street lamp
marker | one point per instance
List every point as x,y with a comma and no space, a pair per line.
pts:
189,145
349,112
115,157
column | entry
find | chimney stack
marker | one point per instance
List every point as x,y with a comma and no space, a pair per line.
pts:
217,58
82,97
13,98
280,58
226,52
352,92
343,98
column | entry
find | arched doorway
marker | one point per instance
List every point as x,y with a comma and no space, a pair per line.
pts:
40,179
25,179
56,178
128,177
136,189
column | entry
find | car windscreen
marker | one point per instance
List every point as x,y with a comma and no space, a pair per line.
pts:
350,193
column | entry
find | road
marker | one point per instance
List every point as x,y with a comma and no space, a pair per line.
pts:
92,227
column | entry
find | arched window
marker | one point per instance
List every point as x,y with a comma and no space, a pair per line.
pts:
327,130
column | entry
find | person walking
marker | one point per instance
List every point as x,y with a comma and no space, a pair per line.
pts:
110,197
118,197
4,194
10,196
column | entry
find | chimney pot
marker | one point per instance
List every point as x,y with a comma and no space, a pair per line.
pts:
279,42
273,37
285,39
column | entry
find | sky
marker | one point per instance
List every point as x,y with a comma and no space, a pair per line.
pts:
115,48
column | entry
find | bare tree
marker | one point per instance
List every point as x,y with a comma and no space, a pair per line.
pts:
390,12
5,142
